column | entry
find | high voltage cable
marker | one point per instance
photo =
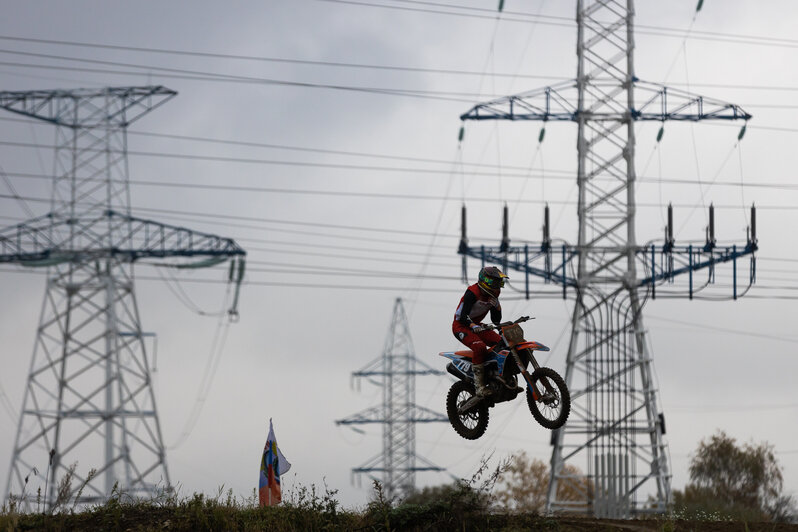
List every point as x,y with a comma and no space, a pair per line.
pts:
260,59
290,147
331,255
489,14
565,174
345,257
362,273
326,268
665,294
200,76
723,329
250,160
331,270
202,217
371,249
197,75
553,202
569,22
248,188
293,222
193,75
569,173
249,282
294,191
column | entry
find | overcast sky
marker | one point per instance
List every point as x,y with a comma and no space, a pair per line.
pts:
382,195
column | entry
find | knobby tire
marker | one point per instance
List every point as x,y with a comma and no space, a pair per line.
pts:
563,398
472,425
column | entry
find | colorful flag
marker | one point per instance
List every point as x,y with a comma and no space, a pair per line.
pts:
272,465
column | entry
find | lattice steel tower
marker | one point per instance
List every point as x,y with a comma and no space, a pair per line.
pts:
89,395
397,368
616,427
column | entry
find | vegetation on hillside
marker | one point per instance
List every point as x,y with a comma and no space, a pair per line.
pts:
731,488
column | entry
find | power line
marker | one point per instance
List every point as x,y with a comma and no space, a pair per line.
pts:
249,282
335,64
334,193
663,294
370,250
196,75
568,22
205,76
476,12
370,168
718,206
732,408
567,176
723,329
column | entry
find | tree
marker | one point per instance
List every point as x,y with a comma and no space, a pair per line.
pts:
740,482
524,484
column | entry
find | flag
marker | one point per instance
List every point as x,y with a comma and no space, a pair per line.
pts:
272,465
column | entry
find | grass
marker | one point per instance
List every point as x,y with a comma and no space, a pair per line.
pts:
311,510
464,506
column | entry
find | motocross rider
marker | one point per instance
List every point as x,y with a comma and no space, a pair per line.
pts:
467,327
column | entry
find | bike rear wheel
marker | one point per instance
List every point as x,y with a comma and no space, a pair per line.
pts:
554,405
473,424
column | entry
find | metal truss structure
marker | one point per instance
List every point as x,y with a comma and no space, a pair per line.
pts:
89,397
397,369
616,430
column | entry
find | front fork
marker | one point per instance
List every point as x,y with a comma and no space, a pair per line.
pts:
525,373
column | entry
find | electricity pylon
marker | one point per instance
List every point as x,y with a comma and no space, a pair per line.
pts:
616,428
89,395
398,413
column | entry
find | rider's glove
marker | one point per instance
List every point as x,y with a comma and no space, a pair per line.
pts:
475,327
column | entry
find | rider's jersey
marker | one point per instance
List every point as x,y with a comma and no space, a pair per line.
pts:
475,305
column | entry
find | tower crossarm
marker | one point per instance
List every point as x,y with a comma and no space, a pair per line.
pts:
375,414
518,258
377,368
53,239
406,414
86,108
662,263
653,102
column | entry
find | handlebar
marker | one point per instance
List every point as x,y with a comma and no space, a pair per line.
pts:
491,326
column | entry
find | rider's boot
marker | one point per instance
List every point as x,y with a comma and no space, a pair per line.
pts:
511,384
479,381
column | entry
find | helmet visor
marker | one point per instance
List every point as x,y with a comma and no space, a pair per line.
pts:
495,282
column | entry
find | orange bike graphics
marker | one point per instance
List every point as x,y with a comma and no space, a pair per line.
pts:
531,345
465,354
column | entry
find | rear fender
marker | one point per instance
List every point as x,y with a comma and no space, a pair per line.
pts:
458,355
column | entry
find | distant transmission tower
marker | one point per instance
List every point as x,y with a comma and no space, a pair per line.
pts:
616,427
89,395
398,413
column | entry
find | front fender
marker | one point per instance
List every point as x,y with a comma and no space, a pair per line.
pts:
532,345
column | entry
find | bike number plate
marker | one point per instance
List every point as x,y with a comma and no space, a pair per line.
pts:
513,334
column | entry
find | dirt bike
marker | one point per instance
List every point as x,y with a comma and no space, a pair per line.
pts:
546,393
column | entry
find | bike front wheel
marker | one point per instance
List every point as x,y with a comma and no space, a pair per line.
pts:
470,425
554,404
